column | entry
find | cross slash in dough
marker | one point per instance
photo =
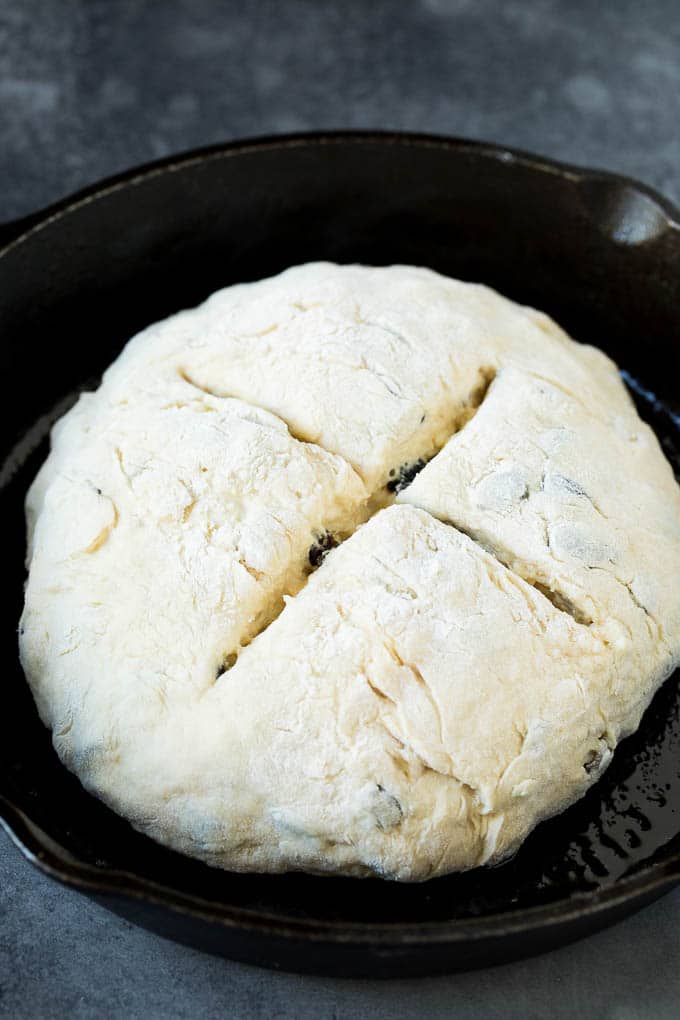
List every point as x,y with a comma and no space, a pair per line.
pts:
352,570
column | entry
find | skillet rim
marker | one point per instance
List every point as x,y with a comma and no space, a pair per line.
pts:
53,860
26,835
18,230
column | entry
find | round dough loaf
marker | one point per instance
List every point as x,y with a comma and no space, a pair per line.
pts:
354,570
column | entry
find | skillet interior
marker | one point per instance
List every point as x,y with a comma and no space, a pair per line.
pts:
601,254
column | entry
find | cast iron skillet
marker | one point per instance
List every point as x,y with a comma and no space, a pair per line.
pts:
599,252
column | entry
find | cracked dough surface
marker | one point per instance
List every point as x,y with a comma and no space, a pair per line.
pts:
351,570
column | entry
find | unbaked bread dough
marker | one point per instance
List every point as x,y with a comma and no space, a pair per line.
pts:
354,570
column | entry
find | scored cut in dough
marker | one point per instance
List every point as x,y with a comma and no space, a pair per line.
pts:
351,570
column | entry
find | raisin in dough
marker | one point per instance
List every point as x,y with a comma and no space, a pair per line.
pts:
351,570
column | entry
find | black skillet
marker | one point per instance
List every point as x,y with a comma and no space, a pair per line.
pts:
600,253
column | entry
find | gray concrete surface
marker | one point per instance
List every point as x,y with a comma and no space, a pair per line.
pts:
88,88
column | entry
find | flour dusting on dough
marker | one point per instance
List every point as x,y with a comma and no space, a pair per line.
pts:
352,570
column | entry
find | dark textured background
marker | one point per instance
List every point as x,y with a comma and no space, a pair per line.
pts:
91,87
88,88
